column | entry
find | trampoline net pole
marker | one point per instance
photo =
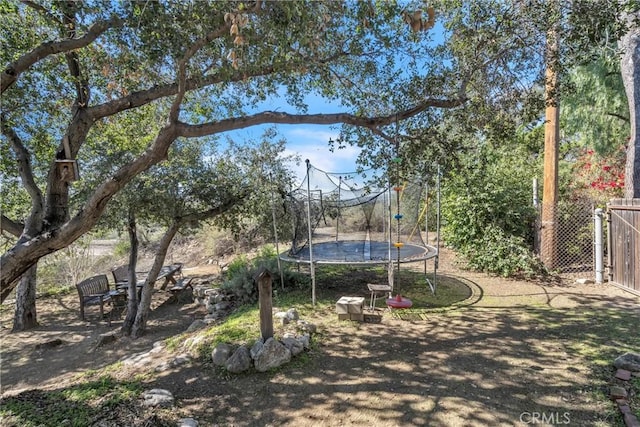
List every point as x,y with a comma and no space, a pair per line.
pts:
275,237
311,267
390,236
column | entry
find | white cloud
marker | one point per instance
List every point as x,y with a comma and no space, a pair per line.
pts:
313,144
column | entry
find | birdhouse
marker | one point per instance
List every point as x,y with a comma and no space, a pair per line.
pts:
67,167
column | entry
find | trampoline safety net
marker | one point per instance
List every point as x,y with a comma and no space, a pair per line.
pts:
352,222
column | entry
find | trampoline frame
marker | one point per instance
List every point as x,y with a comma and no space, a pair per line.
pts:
426,252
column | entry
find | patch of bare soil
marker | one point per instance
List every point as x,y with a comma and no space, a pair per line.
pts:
514,349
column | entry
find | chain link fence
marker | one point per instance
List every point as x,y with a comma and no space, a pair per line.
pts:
565,236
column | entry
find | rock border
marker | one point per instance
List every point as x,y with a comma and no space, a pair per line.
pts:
628,366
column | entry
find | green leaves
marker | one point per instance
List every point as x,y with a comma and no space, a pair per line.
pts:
487,211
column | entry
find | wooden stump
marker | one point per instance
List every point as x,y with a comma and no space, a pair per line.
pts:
264,280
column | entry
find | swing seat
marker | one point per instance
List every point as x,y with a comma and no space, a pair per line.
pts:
399,302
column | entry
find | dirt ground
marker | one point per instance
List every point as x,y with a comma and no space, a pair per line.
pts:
513,349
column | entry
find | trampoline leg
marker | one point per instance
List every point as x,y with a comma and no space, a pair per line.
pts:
433,289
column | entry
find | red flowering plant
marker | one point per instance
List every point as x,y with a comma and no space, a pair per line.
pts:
599,177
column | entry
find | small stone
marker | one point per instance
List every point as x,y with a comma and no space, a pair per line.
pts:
292,314
305,326
584,281
294,345
158,397
187,422
305,340
617,392
222,305
239,361
628,361
623,374
197,324
220,354
256,347
624,409
181,359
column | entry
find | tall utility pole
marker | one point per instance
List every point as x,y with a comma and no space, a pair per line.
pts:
549,235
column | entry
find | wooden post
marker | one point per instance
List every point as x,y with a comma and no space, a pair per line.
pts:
548,241
263,278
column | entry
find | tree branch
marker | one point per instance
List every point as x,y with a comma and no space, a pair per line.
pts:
182,69
10,226
24,163
190,131
11,73
217,210
81,84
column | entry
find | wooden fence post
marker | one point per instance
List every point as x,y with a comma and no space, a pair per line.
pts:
264,280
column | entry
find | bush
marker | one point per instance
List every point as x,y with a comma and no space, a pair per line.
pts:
488,214
501,254
240,273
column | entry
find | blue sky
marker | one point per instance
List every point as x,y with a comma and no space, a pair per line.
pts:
312,141
309,142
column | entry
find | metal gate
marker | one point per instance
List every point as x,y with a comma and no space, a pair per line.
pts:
623,241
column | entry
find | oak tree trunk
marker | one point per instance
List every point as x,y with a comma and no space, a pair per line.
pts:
630,70
25,316
142,315
132,290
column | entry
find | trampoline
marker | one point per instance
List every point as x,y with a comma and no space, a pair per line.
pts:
345,219
360,252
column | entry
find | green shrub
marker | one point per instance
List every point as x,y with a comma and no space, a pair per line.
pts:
122,248
501,254
488,214
241,272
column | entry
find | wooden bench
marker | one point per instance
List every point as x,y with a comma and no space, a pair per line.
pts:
93,291
179,288
121,275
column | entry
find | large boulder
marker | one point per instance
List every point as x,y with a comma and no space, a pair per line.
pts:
272,355
239,361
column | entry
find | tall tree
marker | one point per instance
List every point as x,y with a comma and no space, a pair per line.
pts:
630,69
595,29
228,188
207,67
596,113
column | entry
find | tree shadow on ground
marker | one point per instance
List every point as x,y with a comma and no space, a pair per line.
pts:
475,363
